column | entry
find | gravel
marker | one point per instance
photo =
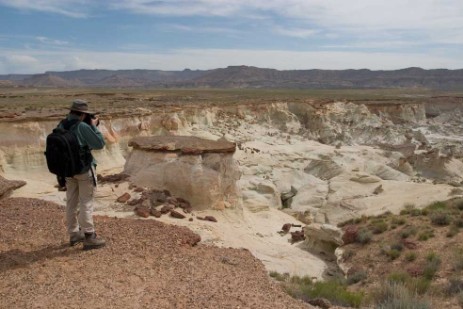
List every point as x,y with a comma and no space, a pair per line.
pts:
146,264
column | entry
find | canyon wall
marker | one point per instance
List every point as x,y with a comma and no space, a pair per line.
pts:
321,161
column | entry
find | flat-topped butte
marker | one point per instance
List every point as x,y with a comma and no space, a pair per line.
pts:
182,144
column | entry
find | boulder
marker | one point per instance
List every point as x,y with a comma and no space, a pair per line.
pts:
202,171
323,238
142,212
324,168
123,198
176,214
8,186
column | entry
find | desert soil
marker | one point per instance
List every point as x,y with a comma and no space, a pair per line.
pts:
146,264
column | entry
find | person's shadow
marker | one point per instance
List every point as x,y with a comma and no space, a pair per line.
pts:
17,258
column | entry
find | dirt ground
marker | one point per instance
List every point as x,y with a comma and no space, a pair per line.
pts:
146,264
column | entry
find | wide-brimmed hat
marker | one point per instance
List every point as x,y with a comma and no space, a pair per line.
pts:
80,106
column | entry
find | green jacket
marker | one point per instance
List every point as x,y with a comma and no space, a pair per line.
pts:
89,137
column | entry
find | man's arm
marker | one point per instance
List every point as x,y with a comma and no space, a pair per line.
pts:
91,136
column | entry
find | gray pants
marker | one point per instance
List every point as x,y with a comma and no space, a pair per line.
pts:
79,195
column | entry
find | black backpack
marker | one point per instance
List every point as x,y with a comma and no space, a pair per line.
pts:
63,151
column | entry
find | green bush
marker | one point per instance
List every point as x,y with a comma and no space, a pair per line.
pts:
306,280
432,265
335,292
392,253
415,212
425,235
379,227
436,206
398,221
408,231
419,285
458,260
279,277
398,277
364,236
410,256
440,218
356,277
396,295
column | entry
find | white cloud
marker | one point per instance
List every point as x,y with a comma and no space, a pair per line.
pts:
40,61
49,41
71,8
296,32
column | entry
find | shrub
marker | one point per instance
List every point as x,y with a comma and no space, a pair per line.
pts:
279,277
392,254
379,227
396,295
398,221
436,206
398,277
348,254
306,280
356,277
364,236
335,292
415,212
419,285
458,260
408,231
425,235
432,265
410,256
440,218
397,246
458,222
453,230
454,286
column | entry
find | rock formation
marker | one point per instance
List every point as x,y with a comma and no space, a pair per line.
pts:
201,171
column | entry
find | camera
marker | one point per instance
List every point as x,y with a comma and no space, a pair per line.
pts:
89,117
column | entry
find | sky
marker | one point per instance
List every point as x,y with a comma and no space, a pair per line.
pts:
62,35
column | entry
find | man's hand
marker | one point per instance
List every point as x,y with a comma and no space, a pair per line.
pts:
95,121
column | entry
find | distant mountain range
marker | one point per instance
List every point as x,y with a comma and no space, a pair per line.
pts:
243,77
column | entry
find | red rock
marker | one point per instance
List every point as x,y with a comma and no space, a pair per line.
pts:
184,205
297,236
172,201
176,214
192,240
350,234
156,213
191,219
286,227
166,208
134,202
139,189
142,212
320,302
123,198
208,218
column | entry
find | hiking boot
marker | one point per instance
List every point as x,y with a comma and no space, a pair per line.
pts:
92,241
76,238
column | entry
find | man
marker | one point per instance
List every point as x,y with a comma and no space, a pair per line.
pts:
80,188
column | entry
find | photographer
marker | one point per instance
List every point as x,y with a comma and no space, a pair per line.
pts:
80,188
